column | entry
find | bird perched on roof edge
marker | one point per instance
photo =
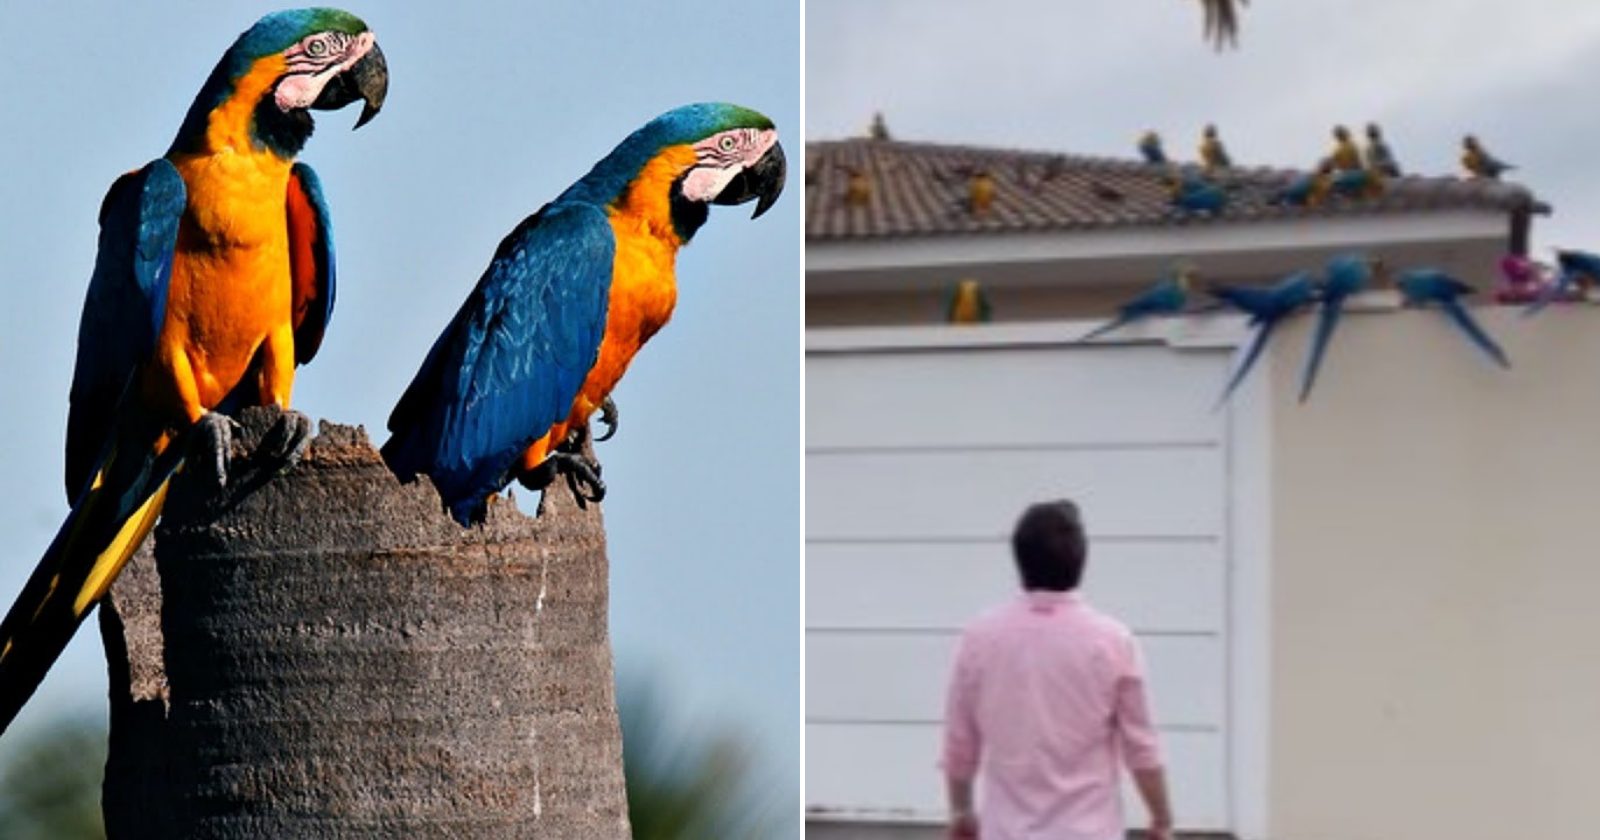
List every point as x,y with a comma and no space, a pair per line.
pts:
1421,287
968,304
1267,308
1344,277
1379,157
1169,296
1478,163
1150,149
1213,155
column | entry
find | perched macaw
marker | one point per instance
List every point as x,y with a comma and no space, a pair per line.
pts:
1477,161
214,279
1308,190
1169,296
1213,155
968,304
1422,286
569,298
1345,155
879,130
1267,307
980,193
1150,148
1345,276
1577,271
1192,193
1357,183
1379,157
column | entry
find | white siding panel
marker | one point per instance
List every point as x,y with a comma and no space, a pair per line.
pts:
1011,395
1153,587
898,765
965,494
900,677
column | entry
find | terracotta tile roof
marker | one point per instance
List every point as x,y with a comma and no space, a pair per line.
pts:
867,189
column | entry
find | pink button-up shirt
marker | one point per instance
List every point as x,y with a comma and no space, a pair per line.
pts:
1046,694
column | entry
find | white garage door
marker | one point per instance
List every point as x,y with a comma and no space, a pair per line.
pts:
917,465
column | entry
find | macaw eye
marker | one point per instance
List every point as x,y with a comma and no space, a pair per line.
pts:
726,143
317,48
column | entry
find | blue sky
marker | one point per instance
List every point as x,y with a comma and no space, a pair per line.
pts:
1089,77
494,107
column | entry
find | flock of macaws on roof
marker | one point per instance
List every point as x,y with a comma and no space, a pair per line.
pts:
181,331
1348,171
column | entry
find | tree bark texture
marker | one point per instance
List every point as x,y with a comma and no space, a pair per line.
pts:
324,653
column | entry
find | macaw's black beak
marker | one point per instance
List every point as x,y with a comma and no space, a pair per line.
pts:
366,80
763,181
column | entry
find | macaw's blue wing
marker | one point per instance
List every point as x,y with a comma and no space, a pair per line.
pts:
512,360
1327,322
1247,359
310,260
1164,298
1474,332
124,309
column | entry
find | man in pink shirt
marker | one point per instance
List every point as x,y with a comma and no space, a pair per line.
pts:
1047,698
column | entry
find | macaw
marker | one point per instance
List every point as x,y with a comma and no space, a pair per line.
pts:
1308,190
570,296
1577,271
980,193
1150,149
214,279
1345,276
1192,193
1267,307
858,188
1222,21
879,130
1169,296
1357,183
1213,155
1422,286
1345,155
1478,163
968,304
1379,157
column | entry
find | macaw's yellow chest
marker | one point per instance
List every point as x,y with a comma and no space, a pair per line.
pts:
231,284
644,291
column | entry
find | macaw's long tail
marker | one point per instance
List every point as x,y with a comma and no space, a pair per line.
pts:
106,526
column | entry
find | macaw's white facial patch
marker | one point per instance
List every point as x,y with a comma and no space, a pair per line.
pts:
309,65
722,156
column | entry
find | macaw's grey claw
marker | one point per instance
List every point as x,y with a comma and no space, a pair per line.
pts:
287,440
212,447
608,416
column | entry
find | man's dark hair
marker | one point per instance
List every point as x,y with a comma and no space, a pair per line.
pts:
1050,546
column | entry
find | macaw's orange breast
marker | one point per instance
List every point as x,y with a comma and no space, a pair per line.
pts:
231,280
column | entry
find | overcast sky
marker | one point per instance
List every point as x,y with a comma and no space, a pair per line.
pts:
1088,77
494,108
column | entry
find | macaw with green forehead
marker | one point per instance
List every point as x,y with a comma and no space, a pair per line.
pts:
571,295
214,280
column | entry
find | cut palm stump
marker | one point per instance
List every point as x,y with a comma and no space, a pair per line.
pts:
324,653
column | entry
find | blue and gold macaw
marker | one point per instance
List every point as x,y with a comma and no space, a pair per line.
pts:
1478,163
1267,308
1421,287
1345,276
1169,296
1379,157
214,280
1577,271
571,295
967,304
1191,193
1150,149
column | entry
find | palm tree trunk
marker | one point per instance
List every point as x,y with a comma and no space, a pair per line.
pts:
326,654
